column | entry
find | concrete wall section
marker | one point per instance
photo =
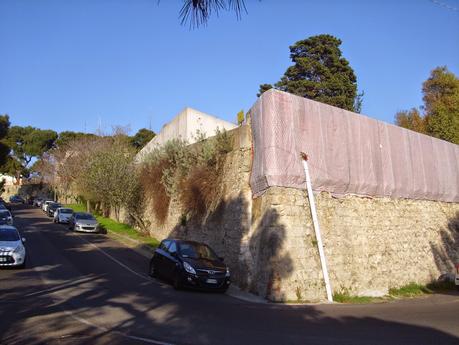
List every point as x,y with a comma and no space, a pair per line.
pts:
186,125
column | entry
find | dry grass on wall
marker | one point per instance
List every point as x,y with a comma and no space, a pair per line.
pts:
155,191
199,189
188,172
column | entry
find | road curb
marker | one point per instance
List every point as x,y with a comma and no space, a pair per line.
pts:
138,246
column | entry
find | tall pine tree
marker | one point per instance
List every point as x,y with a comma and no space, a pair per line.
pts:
319,72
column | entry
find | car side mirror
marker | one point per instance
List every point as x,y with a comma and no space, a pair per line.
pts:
23,239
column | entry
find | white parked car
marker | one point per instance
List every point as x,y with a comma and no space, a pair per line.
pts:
45,204
5,217
12,250
63,215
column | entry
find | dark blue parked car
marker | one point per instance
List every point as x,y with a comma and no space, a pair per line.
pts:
190,264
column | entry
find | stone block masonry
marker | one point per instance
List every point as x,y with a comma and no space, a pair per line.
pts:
371,244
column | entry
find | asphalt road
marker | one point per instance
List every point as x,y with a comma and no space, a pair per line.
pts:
89,289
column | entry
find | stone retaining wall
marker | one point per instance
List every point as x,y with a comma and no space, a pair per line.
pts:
371,244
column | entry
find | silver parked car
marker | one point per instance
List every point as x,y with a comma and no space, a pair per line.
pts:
85,222
5,217
63,215
45,204
38,202
12,250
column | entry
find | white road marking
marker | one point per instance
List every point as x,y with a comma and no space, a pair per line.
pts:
57,299
115,260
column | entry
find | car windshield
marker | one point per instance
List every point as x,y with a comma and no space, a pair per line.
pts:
4,214
84,216
8,235
197,251
54,205
66,210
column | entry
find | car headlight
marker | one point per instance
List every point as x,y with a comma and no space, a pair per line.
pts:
188,268
227,272
19,250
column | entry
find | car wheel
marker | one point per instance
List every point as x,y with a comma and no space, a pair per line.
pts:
151,270
23,265
457,287
177,281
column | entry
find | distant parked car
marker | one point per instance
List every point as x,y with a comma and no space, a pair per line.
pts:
63,215
190,264
37,202
52,207
45,204
5,217
82,221
17,199
12,250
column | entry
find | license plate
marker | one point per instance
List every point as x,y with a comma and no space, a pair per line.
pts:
211,281
2,259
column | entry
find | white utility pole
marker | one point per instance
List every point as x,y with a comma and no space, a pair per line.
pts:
315,222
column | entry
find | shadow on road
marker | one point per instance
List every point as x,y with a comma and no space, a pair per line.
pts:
73,293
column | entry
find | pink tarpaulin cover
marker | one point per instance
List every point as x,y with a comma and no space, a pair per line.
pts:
348,153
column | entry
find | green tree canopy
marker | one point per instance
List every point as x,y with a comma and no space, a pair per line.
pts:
441,108
4,149
319,72
411,119
67,136
441,104
26,143
142,138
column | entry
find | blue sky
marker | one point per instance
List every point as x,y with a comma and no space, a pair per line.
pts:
70,65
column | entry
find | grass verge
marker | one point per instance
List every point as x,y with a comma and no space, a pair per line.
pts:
113,226
406,291
346,298
413,289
